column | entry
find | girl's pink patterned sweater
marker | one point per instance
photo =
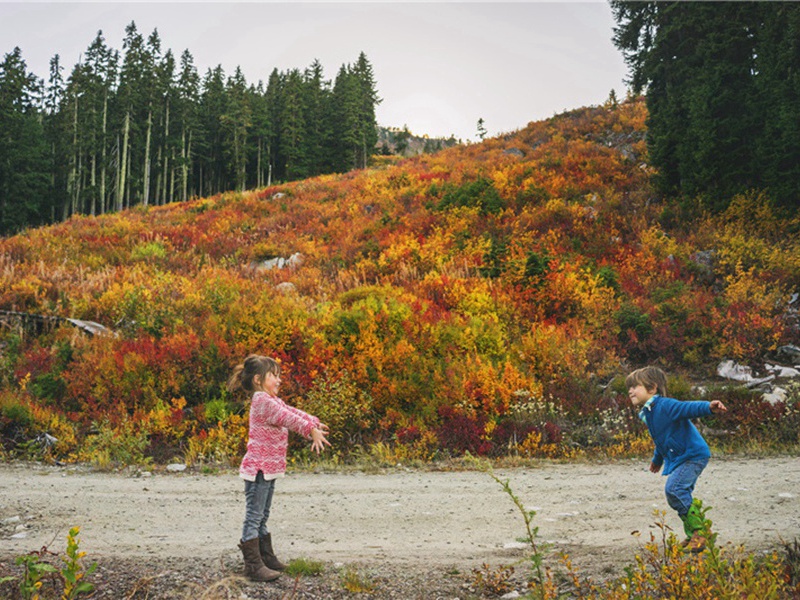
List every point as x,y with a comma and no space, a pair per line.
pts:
270,421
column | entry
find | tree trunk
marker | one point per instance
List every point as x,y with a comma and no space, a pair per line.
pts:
72,180
166,155
103,156
123,161
93,181
259,175
146,182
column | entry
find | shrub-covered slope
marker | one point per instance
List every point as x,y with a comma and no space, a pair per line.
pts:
469,300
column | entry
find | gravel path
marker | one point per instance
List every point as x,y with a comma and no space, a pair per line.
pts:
415,520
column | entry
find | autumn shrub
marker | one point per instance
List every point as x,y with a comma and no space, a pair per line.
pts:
222,443
459,433
347,409
110,445
662,569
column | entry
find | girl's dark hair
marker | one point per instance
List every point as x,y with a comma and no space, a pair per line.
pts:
255,364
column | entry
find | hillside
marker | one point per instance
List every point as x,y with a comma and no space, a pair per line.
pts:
478,299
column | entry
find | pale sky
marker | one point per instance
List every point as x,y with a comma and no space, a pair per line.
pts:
439,66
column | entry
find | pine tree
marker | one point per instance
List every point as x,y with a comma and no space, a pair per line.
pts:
24,154
722,94
236,121
368,100
188,100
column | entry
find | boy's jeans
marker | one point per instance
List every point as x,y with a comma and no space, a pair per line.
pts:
258,499
680,484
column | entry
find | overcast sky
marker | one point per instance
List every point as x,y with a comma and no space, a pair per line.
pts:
439,66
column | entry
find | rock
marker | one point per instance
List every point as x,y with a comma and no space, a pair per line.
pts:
287,288
511,595
789,354
10,520
176,467
514,152
779,371
732,370
294,261
777,394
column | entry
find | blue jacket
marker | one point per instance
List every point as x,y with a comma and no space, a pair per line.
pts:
677,439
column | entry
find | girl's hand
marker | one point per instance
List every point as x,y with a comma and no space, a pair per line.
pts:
654,468
718,407
318,439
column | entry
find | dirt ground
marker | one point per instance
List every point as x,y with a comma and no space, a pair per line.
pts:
408,520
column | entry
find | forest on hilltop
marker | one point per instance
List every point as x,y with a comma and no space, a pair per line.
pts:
488,298
142,127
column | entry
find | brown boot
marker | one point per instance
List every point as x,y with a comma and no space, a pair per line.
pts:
254,568
268,555
697,543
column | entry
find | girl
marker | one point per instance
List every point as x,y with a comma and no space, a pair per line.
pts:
265,460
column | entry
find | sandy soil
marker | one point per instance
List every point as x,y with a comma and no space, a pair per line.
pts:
418,520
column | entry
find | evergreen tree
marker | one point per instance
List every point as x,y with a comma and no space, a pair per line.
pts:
24,154
721,84
236,122
293,127
210,148
54,132
188,100
346,120
271,124
318,134
368,100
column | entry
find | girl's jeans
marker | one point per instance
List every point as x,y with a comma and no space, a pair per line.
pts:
258,499
680,484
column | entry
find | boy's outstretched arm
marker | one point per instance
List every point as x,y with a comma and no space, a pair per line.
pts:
717,407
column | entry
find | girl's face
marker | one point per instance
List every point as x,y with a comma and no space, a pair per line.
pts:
270,383
640,394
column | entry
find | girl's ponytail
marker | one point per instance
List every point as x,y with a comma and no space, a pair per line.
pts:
235,381
254,365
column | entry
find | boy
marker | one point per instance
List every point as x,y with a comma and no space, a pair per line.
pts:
679,446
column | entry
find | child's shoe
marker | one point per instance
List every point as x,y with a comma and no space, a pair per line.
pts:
268,554
254,567
697,543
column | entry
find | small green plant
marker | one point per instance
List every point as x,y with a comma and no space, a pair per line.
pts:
72,575
540,584
74,571
35,571
356,583
304,567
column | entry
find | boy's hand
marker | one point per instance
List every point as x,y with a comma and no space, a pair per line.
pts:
718,407
654,468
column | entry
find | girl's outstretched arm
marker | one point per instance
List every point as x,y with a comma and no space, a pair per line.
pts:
718,407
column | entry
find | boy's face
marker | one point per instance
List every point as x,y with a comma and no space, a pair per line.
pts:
640,394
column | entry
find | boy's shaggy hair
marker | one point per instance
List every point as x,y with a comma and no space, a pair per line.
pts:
650,377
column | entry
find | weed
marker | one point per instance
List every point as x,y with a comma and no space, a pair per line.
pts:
356,583
541,582
34,572
72,575
74,572
304,567
493,581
